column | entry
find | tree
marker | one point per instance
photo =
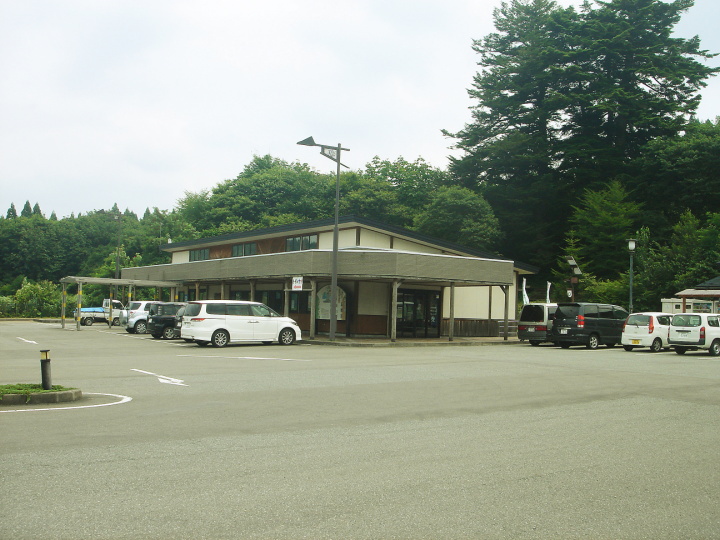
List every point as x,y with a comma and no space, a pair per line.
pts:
632,82
27,210
37,299
12,212
459,215
565,101
679,173
602,223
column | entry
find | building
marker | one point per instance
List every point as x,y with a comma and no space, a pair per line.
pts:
434,288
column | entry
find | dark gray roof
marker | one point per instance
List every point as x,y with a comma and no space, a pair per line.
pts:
297,227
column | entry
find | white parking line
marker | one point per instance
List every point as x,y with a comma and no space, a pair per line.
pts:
27,340
242,357
123,399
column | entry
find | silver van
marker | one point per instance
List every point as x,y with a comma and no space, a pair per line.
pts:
535,323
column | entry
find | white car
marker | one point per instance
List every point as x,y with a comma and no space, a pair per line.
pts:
646,329
694,331
219,322
136,316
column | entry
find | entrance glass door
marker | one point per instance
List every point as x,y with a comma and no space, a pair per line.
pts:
418,313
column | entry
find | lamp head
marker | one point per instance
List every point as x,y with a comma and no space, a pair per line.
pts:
631,244
308,142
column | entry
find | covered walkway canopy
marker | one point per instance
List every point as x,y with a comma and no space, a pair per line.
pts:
131,283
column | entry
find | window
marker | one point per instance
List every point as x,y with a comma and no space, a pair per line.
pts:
243,250
301,243
199,254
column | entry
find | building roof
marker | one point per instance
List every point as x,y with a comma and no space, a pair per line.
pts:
349,220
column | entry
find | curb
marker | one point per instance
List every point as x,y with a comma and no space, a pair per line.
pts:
408,344
42,397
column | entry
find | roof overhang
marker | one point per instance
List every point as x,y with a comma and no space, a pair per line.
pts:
120,282
360,265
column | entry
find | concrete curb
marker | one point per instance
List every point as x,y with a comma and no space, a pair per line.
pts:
44,397
369,343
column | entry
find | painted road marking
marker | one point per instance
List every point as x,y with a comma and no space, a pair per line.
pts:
162,378
242,357
123,399
27,340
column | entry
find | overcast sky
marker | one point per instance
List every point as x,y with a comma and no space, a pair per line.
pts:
135,102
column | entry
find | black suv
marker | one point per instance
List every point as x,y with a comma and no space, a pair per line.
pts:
584,323
163,318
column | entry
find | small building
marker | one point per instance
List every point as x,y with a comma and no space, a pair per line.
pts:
391,281
703,298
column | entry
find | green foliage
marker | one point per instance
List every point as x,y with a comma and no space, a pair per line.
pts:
459,215
602,224
38,299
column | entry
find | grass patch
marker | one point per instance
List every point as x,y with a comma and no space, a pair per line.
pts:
29,389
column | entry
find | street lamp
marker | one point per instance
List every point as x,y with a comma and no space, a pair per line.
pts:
333,153
631,249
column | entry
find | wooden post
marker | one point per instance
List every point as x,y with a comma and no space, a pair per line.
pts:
313,303
506,290
393,310
451,322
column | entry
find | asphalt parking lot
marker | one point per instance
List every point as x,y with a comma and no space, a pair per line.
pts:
176,441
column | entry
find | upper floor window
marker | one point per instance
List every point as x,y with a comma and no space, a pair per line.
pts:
199,254
301,243
243,250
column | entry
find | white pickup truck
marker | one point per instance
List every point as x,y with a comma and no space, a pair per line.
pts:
90,315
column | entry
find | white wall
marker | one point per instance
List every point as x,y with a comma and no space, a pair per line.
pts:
374,239
373,298
472,303
180,257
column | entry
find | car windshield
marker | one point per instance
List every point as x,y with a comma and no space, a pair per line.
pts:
532,313
639,320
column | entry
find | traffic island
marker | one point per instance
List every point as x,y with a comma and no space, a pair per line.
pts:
32,394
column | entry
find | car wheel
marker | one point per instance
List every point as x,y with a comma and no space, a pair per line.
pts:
714,349
157,336
628,348
680,350
116,321
564,345
287,336
593,341
168,332
534,343
140,327
88,321
656,345
220,338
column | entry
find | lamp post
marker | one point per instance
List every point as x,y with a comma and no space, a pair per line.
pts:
333,153
631,249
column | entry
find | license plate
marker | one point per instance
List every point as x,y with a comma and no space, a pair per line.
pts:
531,329
563,330
635,341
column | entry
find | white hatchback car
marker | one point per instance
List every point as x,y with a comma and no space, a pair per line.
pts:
646,329
220,322
693,331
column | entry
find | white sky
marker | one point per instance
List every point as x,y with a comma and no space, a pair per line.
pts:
136,102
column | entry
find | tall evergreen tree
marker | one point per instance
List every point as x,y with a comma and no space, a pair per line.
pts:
27,210
12,212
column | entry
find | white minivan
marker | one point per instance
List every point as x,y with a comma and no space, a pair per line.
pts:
219,322
694,331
